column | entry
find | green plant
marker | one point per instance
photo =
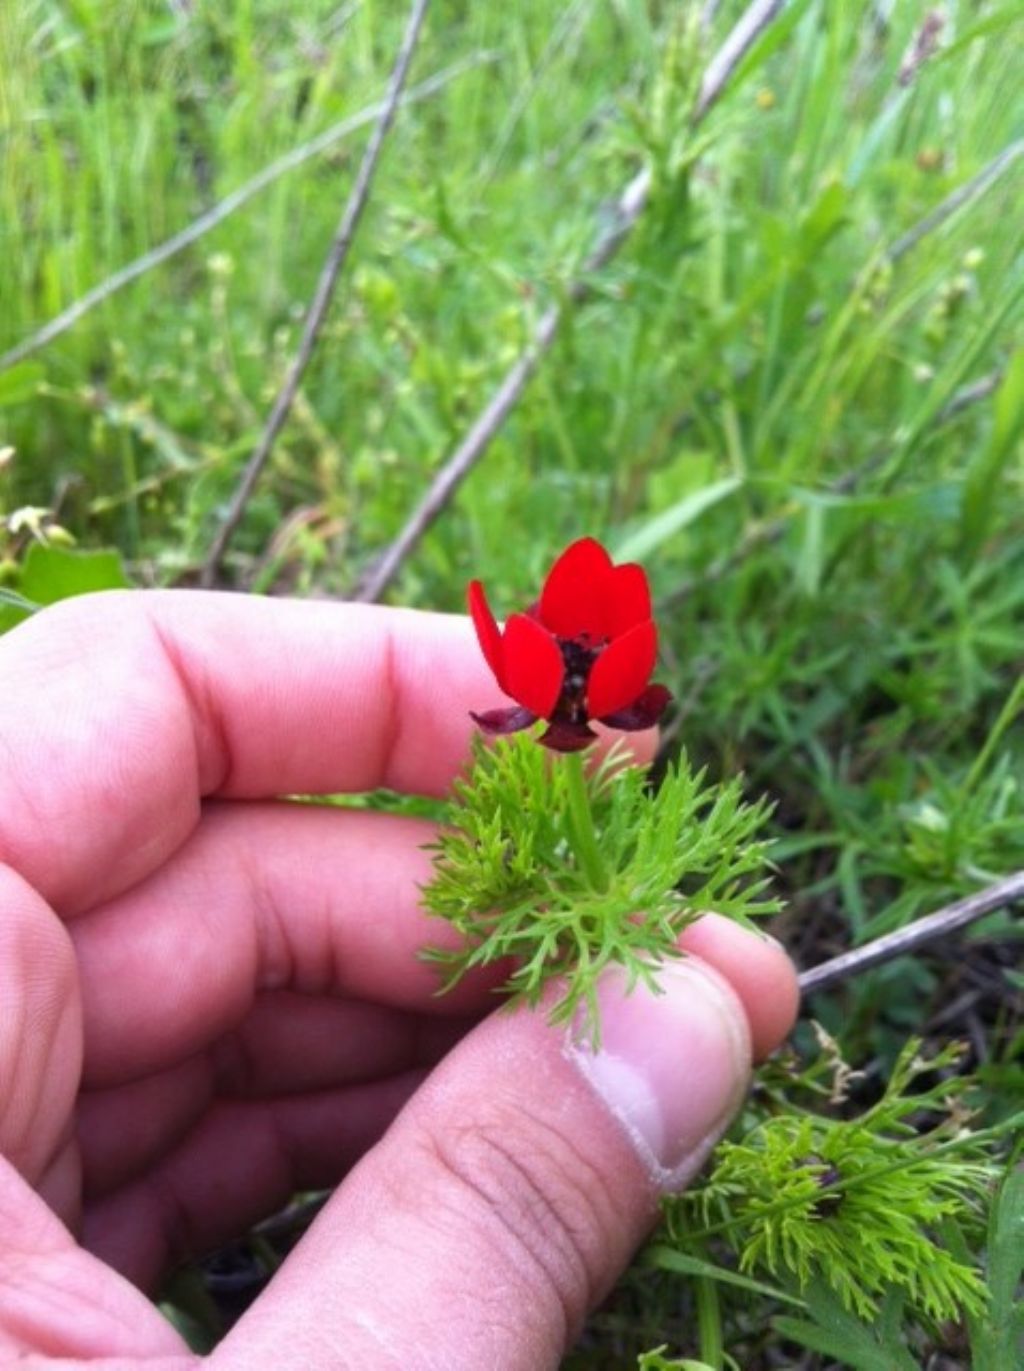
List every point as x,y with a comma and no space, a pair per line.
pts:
857,1203
873,1221
513,875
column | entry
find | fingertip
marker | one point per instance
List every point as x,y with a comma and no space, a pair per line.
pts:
759,970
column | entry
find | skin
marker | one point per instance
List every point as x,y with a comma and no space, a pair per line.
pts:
210,998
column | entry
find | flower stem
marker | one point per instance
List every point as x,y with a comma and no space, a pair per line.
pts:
582,834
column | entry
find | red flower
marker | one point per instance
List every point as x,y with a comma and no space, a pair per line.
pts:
584,651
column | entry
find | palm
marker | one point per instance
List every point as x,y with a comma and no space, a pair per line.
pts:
238,1010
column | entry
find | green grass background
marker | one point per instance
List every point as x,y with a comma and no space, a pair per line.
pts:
814,444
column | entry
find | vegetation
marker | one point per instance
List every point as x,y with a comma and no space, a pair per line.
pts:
537,865
796,391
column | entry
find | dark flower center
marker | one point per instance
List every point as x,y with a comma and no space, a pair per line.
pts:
579,655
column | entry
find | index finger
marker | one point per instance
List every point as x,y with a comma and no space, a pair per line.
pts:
120,712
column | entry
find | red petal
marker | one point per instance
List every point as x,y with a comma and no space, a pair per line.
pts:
576,597
630,598
622,670
533,665
487,631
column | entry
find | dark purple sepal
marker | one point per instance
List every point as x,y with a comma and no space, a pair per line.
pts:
509,720
644,712
562,737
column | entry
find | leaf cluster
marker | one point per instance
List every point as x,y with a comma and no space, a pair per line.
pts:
507,877
878,1343
862,1205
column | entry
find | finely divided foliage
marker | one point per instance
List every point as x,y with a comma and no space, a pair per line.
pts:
507,877
856,1202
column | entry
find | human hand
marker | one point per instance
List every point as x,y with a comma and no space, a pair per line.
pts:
210,998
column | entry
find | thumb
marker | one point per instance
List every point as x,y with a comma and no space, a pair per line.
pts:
511,1191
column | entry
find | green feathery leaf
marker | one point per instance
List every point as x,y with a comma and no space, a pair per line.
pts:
507,877
858,1203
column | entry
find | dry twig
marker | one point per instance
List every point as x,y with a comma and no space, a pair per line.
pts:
322,297
491,418
629,206
747,29
969,395
1008,891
